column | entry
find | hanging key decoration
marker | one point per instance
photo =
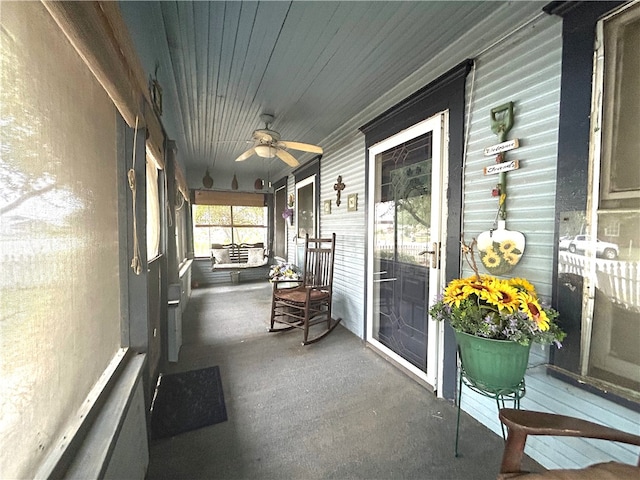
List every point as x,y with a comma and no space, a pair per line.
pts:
501,249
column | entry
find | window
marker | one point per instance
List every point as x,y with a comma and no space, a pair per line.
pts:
599,211
613,316
402,212
153,207
59,244
181,229
225,224
182,211
612,229
621,106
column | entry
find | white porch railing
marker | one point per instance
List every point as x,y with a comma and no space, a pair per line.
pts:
620,281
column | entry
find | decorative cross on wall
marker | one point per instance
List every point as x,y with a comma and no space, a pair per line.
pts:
338,187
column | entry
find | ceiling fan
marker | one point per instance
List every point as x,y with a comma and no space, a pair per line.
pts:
269,145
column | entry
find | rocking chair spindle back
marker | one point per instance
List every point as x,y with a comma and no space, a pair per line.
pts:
309,303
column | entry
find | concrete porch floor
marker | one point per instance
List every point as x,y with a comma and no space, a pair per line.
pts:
334,409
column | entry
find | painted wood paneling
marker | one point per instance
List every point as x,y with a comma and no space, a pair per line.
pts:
511,72
525,71
350,228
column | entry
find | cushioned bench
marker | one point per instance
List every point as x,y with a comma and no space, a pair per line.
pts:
237,257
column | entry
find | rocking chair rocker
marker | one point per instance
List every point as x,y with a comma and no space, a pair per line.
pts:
308,303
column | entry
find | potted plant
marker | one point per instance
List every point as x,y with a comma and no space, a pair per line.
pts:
495,321
284,271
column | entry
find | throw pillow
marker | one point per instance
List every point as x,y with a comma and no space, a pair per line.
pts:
221,255
256,256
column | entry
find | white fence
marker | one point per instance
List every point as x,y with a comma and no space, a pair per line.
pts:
620,281
408,252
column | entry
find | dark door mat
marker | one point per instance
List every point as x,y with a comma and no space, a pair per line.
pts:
186,401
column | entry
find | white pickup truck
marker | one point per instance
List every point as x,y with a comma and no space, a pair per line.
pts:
581,243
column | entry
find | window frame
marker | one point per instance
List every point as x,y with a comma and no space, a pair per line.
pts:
232,226
573,193
607,49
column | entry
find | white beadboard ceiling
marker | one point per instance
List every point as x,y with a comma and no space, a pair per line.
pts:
313,65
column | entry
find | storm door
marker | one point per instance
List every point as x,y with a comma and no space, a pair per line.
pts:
406,209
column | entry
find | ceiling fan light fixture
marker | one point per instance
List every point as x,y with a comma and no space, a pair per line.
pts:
265,151
267,144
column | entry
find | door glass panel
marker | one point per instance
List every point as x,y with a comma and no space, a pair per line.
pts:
305,206
280,230
402,213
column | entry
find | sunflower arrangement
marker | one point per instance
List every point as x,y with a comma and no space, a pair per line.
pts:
486,306
500,257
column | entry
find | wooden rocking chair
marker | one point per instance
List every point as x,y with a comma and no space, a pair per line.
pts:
308,303
522,423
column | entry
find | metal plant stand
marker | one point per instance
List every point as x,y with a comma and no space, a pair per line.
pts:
513,394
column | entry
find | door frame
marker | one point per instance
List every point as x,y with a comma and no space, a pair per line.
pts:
433,377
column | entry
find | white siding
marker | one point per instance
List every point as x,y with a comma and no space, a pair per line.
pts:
348,160
527,72
350,227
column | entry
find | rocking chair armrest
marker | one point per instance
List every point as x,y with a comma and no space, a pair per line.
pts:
522,423
540,423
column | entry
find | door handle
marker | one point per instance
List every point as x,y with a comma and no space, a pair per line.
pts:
435,254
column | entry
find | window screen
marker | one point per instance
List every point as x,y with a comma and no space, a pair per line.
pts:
60,314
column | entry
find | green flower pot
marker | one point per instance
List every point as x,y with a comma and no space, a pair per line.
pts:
492,365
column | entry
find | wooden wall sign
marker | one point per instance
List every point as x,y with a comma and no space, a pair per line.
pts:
501,249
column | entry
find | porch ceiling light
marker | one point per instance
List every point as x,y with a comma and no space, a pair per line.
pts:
265,151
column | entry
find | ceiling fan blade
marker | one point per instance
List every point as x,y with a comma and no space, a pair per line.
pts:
287,158
246,155
303,147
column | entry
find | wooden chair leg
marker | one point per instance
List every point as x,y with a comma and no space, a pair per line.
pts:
273,308
513,451
306,322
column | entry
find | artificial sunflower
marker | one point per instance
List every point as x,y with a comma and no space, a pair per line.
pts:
507,296
507,246
523,284
455,293
490,258
501,309
530,305
511,258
